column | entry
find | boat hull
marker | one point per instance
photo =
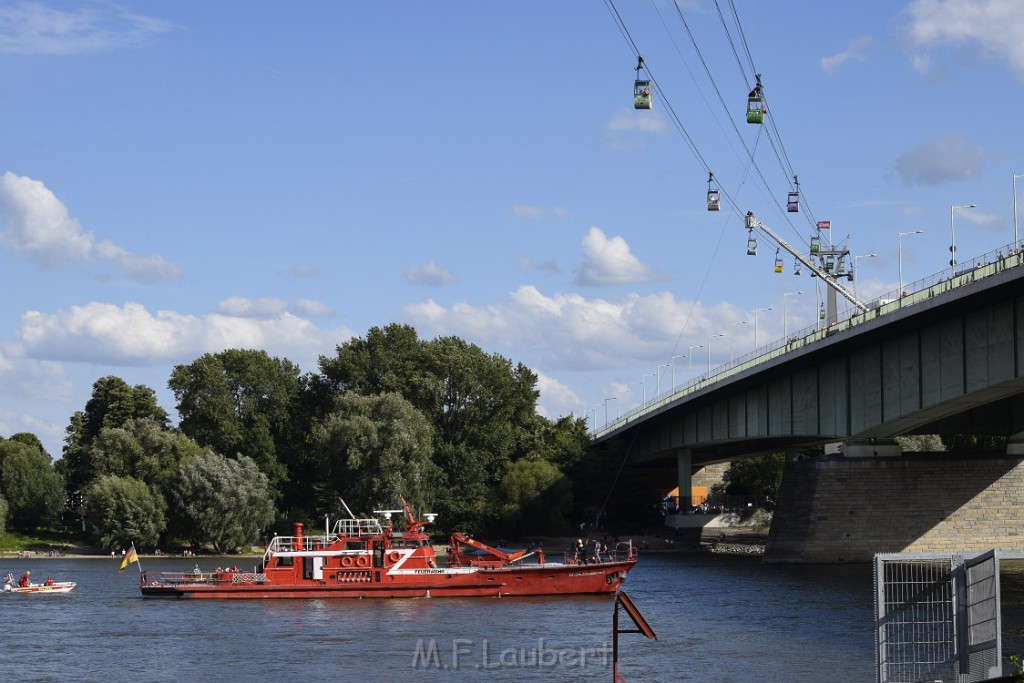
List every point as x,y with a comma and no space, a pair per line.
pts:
524,581
41,589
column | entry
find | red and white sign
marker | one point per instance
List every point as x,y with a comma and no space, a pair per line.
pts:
824,225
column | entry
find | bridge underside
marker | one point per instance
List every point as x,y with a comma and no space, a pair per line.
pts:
953,368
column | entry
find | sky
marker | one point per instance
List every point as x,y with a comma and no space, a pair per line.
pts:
183,178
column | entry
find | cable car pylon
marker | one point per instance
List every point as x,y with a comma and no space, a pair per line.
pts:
753,223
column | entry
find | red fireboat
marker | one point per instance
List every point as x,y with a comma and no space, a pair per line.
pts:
363,558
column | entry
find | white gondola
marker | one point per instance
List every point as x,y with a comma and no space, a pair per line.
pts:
797,268
641,88
752,246
714,200
793,202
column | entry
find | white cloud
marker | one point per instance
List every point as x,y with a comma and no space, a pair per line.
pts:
941,160
556,399
526,211
572,332
131,335
38,225
609,261
628,128
32,28
855,51
305,271
429,274
992,27
545,266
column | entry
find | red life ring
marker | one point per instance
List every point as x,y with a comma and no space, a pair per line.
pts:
362,561
394,556
346,561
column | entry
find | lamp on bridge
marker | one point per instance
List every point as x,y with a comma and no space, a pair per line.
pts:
785,331
952,233
738,322
658,383
643,380
689,363
710,337
756,311
1015,245
900,241
618,411
673,361
856,270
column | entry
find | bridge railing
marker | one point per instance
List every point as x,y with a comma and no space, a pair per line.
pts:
949,279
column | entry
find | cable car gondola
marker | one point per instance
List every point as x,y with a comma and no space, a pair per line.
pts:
815,244
793,198
641,88
778,262
752,246
755,104
714,202
797,268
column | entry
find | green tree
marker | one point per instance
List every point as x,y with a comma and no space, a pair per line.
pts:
112,404
536,497
376,449
33,488
3,515
921,443
223,503
122,510
242,402
759,477
143,450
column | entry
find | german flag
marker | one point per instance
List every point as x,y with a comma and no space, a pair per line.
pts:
129,557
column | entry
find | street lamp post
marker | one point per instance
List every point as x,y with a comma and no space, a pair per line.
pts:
674,370
1015,209
785,329
657,372
738,322
900,241
952,233
856,271
643,380
756,311
617,410
710,337
689,363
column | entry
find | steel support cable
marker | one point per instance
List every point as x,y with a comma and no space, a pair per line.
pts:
728,111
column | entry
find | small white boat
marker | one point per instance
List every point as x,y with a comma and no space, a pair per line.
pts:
26,586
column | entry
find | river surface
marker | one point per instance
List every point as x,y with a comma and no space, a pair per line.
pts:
718,618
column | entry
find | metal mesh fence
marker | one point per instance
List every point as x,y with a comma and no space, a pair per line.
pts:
916,621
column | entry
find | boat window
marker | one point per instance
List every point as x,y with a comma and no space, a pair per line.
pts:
355,545
284,561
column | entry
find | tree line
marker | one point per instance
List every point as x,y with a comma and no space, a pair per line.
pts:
440,422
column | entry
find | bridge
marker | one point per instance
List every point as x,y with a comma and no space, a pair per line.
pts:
946,356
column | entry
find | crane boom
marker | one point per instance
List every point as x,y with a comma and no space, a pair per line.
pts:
753,223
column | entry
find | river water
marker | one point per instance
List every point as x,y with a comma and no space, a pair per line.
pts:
718,618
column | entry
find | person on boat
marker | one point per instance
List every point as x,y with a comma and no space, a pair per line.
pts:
49,581
24,580
580,551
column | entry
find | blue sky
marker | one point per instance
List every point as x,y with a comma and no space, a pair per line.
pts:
181,178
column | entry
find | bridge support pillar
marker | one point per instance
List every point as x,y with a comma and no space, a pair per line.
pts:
684,463
1015,444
